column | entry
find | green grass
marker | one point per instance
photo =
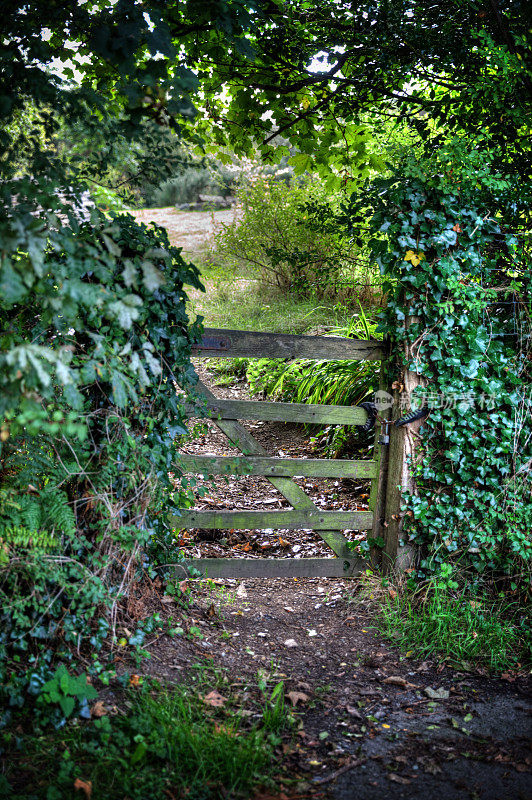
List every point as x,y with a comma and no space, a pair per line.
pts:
168,743
465,629
233,301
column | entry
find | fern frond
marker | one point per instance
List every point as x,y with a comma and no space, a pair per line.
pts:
15,537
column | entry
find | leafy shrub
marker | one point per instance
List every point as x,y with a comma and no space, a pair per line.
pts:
459,316
86,442
286,238
187,187
108,200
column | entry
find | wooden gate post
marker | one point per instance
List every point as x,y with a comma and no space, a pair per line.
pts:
377,499
392,490
404,442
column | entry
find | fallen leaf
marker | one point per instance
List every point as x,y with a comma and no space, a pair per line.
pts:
211,611
223,729
353,712
85,786
214,699
296,697
397,778
98,709
397,680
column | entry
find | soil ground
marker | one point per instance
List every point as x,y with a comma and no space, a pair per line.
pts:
370,722
366,725
191,230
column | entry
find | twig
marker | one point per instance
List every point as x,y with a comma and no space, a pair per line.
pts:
356,762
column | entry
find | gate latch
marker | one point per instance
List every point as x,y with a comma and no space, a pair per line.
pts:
384,438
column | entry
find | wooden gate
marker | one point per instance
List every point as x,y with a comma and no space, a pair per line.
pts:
221,343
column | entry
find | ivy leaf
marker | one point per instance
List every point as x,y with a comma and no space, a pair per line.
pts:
119,390
126,310
153,277
129,273
12,290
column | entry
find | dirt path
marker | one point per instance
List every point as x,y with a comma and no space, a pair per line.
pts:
369,722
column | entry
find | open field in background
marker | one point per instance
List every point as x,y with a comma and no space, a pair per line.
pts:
233,300
191,230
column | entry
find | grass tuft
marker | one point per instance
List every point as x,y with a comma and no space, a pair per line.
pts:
170,743
465,627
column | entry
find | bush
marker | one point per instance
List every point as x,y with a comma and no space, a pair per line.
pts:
288,237
86,438
187,187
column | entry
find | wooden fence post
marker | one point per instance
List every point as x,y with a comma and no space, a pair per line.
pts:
403,453
377,499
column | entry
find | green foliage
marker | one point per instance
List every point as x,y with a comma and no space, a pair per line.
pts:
94,338
450,66
460,317
186,188
120,168
107,199
466,628
65,689
286,238
165,743
263,375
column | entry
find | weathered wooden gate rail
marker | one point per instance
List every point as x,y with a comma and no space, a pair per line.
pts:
222,343
280,471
